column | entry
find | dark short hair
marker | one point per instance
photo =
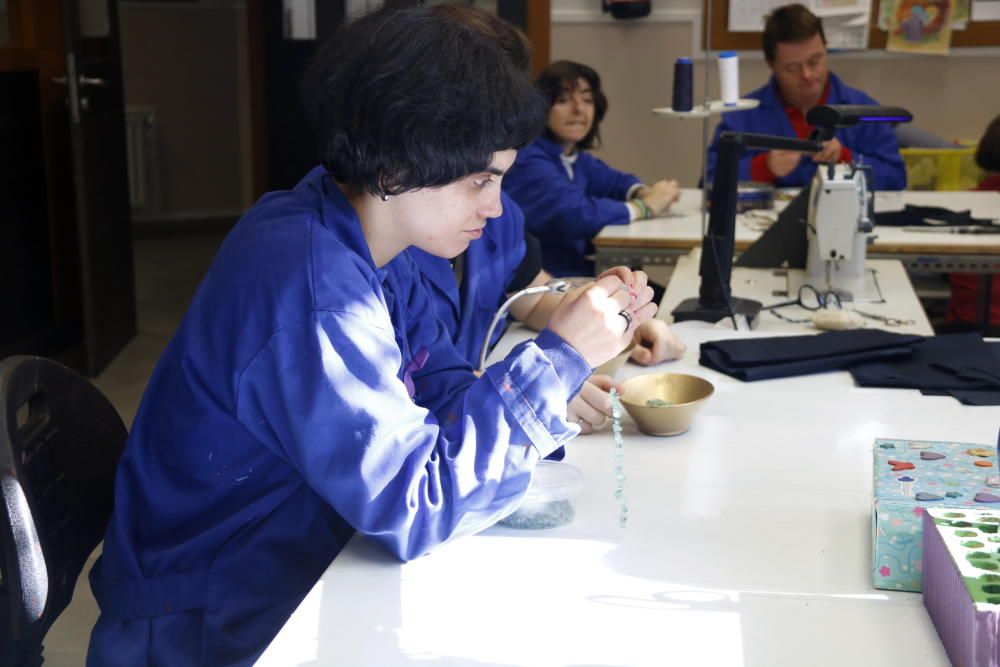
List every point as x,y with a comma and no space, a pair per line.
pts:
790,23
511,41
411,98
988,152
564,75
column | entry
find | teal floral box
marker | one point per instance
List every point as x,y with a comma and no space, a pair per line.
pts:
911,475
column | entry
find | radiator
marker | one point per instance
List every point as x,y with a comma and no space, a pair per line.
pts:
143,168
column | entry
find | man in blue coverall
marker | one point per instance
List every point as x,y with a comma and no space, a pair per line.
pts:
795,49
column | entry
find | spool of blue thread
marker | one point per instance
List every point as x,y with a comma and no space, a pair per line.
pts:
683,85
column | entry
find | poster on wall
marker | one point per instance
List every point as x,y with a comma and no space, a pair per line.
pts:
921,26
986,10
960,10
845,22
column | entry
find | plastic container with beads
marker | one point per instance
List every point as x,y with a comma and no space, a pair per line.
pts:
548,502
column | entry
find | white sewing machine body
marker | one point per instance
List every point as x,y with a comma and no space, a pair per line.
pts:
838,225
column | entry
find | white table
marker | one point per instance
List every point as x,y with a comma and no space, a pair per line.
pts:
662,240
762,285
748,545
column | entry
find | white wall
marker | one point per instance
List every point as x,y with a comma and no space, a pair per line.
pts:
189,61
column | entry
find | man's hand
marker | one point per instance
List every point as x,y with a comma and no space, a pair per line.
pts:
830,153
782,163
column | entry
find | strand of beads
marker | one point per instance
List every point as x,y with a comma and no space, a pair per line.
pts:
616,427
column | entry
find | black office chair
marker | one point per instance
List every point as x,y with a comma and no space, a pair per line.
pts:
60,440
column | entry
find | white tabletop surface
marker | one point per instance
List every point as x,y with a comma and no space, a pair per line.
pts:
682,227
900,301
748,545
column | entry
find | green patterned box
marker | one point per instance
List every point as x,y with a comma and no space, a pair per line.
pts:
911,475
962,583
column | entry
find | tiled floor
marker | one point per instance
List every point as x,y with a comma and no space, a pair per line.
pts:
167,272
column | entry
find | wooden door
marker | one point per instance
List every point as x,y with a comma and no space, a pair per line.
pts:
66,287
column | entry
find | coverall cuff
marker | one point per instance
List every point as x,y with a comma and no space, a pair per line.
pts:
572,369
631,190
759,171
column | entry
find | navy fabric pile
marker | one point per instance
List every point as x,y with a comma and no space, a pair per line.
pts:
959,365
914,216
784,356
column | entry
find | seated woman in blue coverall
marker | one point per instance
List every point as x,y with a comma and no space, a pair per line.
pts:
311,393
468,290
567,194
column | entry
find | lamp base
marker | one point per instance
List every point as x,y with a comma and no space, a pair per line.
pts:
692,309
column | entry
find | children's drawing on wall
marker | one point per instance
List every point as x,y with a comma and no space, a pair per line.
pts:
921,26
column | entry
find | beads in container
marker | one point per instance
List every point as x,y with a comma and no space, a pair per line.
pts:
548,501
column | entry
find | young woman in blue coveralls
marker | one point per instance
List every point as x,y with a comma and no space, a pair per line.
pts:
310,393
567,194
468,290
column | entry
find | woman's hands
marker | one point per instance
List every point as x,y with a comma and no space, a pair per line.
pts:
660,195
590,408
655,342
600,320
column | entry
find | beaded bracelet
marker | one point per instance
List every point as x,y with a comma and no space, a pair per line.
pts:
644,211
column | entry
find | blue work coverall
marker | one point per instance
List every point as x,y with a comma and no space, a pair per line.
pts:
306,395
872,143
566,214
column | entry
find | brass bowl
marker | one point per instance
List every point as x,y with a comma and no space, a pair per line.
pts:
683,395
613,365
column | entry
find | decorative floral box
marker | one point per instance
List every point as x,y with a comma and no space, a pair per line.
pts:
962,583
911,475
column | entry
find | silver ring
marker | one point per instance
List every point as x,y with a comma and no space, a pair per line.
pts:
628,318
579,421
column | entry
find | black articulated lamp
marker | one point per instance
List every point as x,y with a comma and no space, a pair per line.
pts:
829,116
715,301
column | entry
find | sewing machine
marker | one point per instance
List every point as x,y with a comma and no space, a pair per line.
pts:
839,221
839,209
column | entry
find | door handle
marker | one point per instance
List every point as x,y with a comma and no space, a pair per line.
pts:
83,80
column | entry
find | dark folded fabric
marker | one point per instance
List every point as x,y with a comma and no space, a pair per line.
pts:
971,358
975,397
958,365
766,358
913,216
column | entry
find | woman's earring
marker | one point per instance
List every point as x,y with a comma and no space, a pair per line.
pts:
385,196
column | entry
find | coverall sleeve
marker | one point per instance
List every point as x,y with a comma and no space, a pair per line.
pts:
875,145
325,395
605,181
552,203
